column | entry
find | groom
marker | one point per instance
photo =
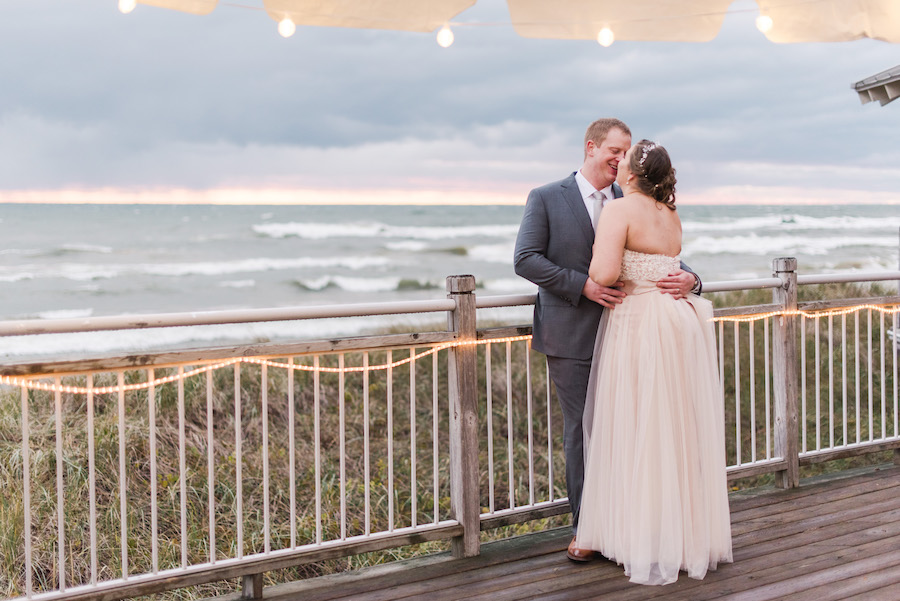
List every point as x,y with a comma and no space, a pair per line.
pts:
553,250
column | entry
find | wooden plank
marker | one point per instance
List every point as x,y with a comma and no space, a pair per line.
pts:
450,586
854,451
784,366
525,515
167,358
842,303
536,582
821,484
841,535
748,471
745,572
794,517
887,593
190,576
872,586
780,504
747,310
374,578
463,384
758,579
598,578
828,575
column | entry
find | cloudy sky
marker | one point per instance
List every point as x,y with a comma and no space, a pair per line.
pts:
159,104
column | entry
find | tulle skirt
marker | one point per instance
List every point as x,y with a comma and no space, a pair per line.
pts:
655,493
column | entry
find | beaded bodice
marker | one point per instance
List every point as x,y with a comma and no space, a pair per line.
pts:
644,266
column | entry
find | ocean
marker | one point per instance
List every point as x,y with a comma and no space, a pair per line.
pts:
65,261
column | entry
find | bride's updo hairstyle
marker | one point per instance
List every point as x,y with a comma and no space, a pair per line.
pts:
653,172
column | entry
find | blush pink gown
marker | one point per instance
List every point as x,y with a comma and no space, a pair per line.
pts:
655,494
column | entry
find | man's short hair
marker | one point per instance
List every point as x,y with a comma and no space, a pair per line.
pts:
599,129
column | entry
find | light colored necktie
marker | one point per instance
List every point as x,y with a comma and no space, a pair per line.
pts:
599,199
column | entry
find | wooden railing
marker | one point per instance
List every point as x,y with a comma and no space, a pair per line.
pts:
134,474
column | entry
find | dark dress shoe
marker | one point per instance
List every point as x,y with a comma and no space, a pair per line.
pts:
576,554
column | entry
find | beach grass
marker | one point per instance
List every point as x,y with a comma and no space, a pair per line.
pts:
400,475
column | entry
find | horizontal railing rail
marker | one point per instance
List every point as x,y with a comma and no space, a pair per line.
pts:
135,474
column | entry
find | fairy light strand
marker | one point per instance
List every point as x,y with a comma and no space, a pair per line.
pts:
886,309
31,384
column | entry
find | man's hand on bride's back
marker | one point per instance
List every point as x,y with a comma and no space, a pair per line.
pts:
607,296
678,283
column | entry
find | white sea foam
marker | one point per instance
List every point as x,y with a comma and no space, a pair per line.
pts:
86,248
510,286
493,253
407,246
795,222
351,284
65,314
16,277
87,272
238,284
319,231
754,244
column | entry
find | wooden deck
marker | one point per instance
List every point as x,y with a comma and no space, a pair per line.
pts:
836,538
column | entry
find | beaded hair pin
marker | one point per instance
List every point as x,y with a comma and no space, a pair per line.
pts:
645,151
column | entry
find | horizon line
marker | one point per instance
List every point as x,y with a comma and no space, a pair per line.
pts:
720,196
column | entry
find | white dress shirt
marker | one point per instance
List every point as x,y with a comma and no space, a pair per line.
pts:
587,194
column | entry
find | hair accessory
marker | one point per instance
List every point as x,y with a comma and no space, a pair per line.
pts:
645,151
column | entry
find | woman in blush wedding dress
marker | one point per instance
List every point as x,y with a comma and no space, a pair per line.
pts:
655,493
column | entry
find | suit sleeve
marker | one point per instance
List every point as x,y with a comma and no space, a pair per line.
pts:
531,262
688,269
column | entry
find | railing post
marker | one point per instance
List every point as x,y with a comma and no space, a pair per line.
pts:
251,587
785,359
896,341
464,469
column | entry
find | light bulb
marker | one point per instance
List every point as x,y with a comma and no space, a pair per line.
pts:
606,37
286,27
126,6
445,37
764,23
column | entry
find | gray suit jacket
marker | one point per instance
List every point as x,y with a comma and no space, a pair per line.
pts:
553,250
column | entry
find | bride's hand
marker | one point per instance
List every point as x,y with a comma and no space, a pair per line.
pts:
678,283
607,296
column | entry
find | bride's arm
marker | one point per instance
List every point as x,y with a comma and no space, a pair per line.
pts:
609,244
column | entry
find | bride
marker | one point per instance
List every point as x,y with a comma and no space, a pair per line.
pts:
655,497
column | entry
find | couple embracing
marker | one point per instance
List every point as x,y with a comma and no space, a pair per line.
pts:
631,352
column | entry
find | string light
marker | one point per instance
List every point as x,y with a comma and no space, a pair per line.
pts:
606,37
286,27
126,6
25,382
445,37
886,309
764,23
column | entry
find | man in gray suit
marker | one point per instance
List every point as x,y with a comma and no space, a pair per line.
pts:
553,250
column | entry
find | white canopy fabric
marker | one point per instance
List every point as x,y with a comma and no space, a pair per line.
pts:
401,15
700,20
645,20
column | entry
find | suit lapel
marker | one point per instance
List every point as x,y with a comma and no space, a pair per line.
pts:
572,196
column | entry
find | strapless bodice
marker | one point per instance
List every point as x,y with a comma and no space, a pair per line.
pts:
645,266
